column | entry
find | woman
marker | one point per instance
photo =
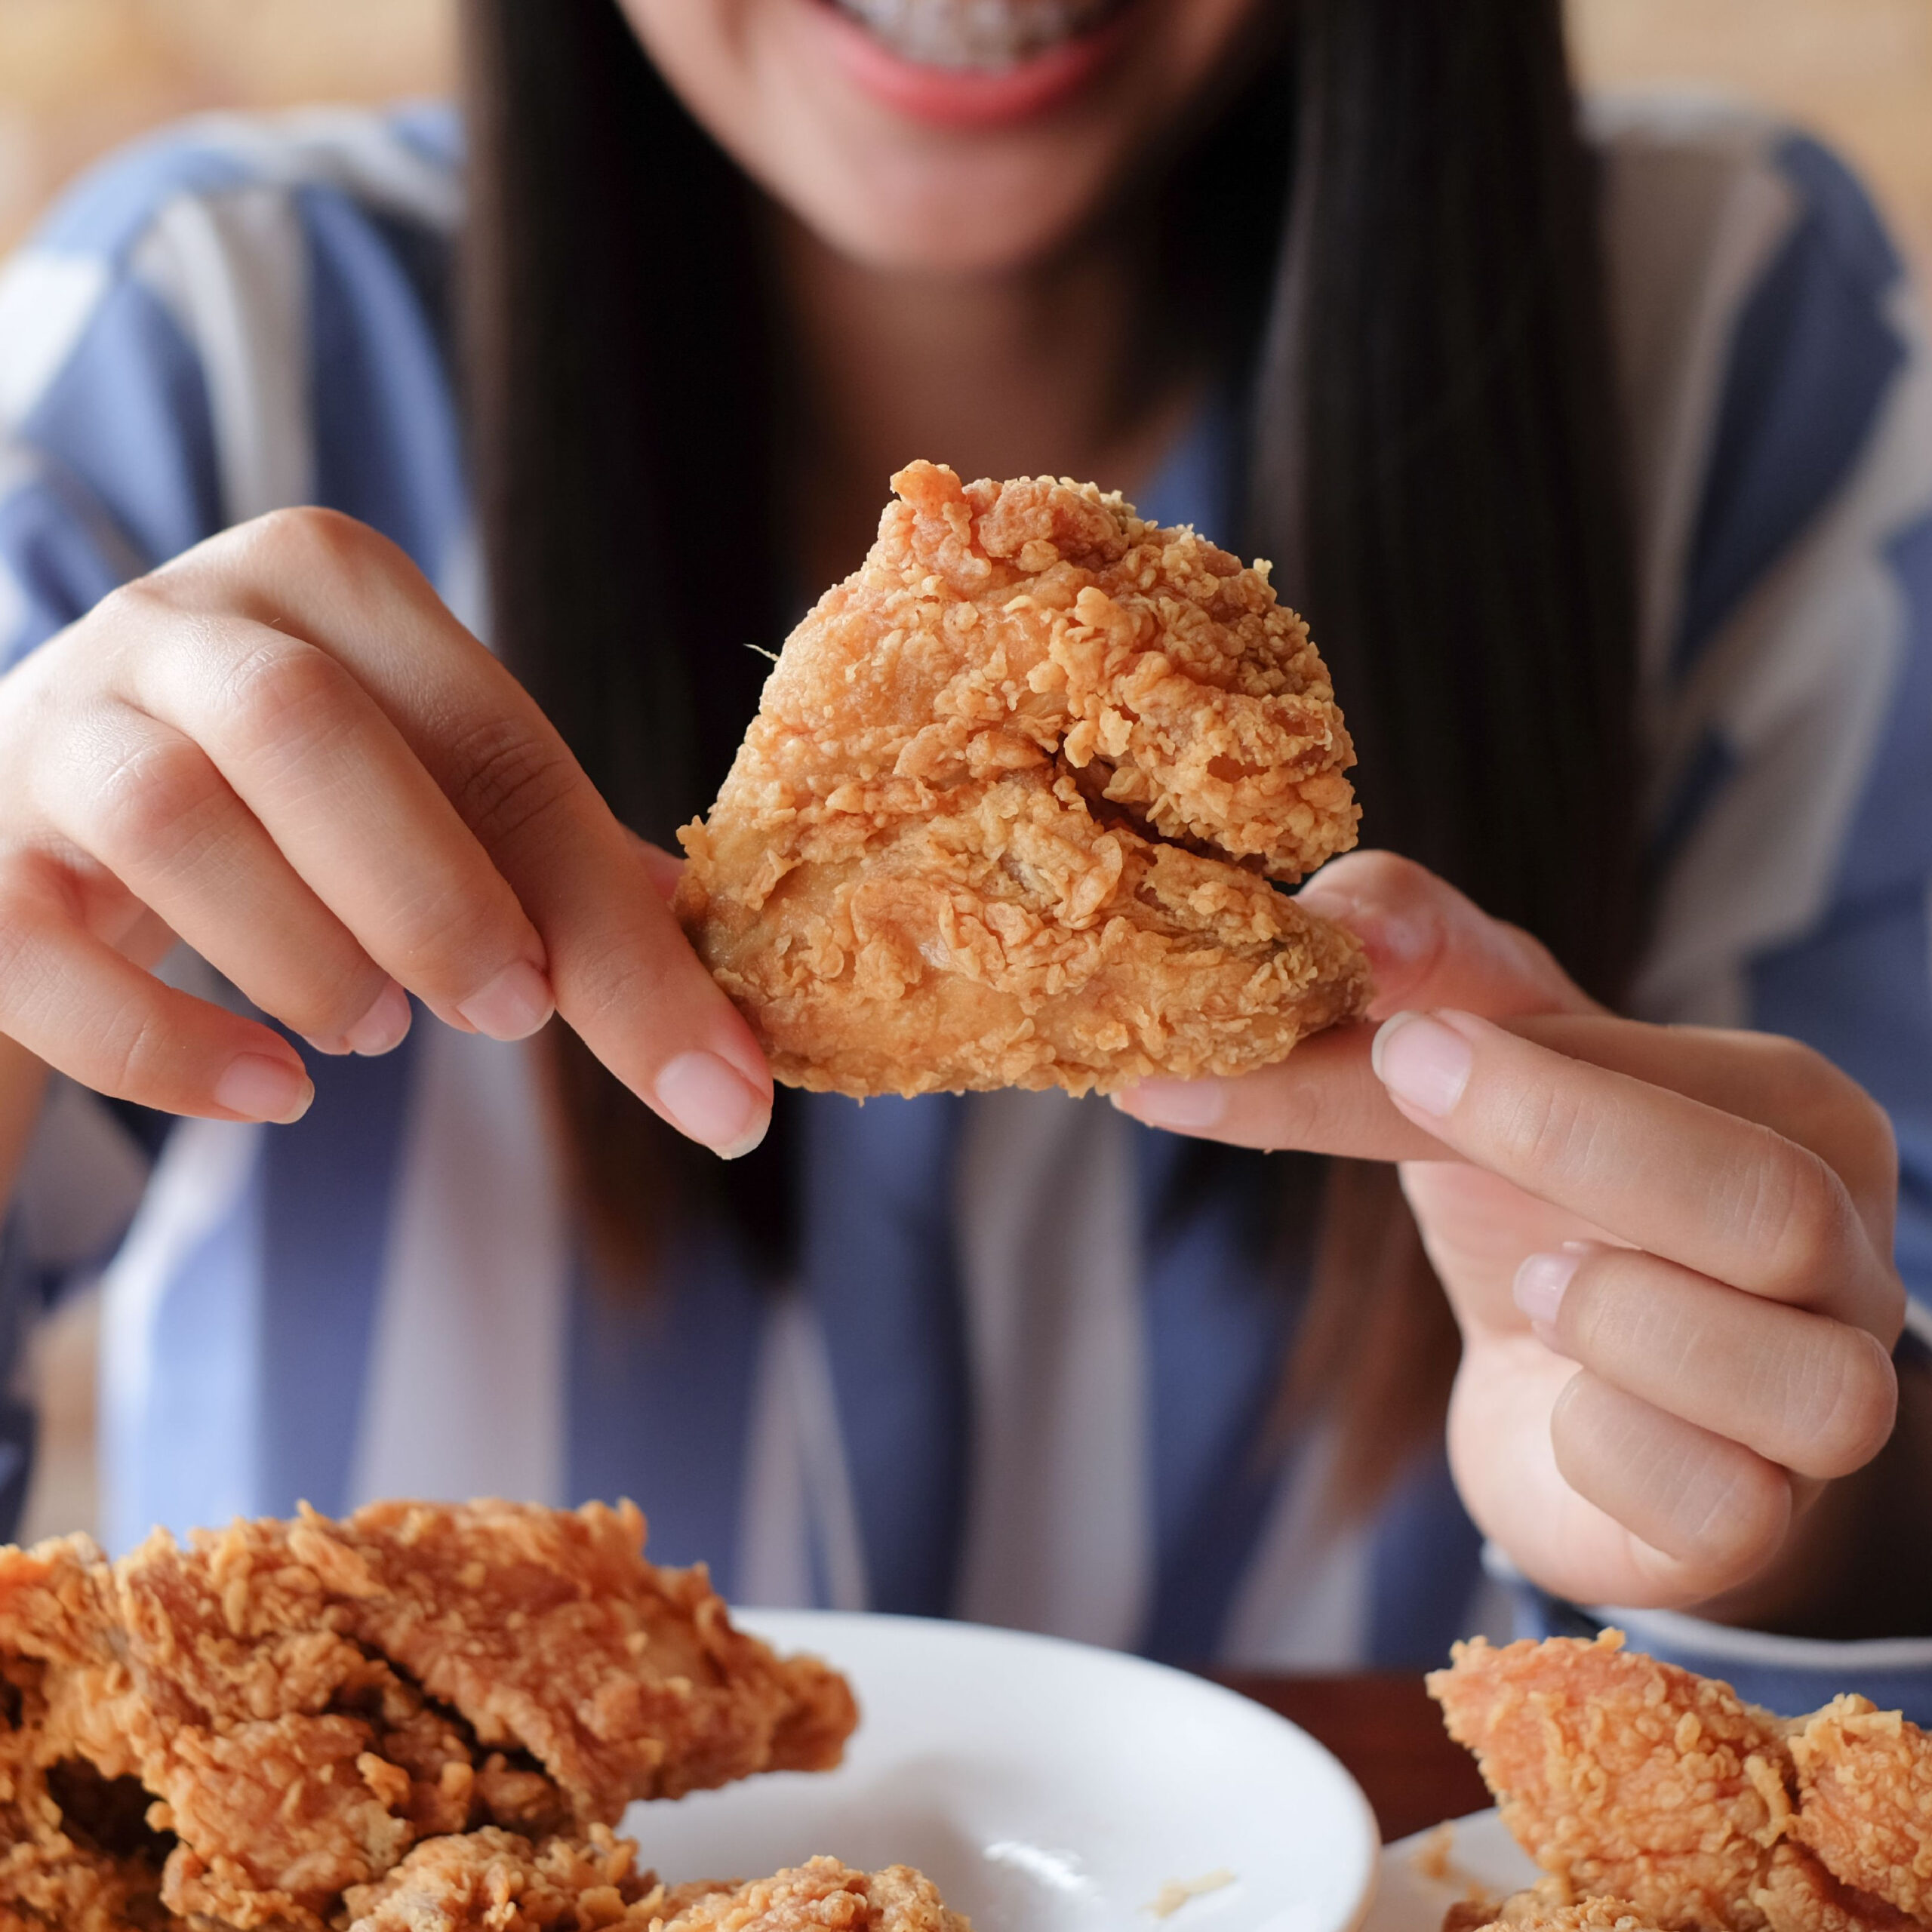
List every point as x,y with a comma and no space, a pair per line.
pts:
1326,277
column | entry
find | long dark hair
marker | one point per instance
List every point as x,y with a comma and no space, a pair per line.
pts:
1434,465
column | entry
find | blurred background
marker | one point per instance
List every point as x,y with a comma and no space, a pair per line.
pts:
78,76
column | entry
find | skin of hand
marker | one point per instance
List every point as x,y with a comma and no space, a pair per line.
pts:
283,750
1669,1250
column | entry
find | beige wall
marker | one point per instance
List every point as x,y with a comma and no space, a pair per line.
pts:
77,76
1859,71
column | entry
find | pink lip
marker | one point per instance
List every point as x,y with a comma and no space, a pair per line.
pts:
957,97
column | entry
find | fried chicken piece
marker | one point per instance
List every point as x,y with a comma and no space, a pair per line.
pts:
1623,1776
1538,1910
293,1705
1865,1800
822,1895
493,1881
1009,809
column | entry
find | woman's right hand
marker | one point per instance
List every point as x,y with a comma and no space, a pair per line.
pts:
283,750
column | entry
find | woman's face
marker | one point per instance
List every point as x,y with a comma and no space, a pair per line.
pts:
951,136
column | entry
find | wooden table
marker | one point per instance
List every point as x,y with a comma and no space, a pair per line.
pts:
1385,1727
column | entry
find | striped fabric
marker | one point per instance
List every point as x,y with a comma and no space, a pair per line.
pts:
1020,1371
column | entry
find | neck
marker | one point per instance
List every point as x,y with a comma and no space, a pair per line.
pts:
1047,370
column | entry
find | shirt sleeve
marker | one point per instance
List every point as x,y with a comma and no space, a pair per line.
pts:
107,467
1791,828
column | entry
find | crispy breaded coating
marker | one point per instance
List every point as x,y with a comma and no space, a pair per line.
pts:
493,1881
1865,1803
1537,1911
1621,1775
1008,811
277,1712
822,1895
1625,1776
1799,1895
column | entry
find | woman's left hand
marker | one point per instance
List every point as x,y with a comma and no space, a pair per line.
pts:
1668,1248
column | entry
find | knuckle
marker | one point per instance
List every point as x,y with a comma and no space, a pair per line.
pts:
154,798
1542,1127
134,1054
285,692
1795,1214
309,535
509,780
1843,1403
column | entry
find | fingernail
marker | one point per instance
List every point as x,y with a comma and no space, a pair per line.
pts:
707,1101
258,1088
1186,1105
1540,1282
382,1028
1420,1060
513,1005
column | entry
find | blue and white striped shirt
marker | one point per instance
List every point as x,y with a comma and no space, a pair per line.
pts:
1017,1374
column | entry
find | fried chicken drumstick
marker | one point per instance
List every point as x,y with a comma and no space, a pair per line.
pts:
1008,812
1650,1793
253,1731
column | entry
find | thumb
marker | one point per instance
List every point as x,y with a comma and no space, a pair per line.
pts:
1431,947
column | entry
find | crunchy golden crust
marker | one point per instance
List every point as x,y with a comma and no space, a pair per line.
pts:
1865,1786
493,1881
1621,1775
820,1896
1537,1911
1007,813
305,1701
1625,1776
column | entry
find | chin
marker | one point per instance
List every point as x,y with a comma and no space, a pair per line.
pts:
950,221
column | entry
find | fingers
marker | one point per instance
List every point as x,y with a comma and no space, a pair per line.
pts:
1814,1395
148,804
623,974
1715,1511
493,851
1324,1099
341,805
1722,1196
1430,945
70,998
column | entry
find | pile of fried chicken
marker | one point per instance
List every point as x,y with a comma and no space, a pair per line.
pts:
1658,1801
1010,810
424,1718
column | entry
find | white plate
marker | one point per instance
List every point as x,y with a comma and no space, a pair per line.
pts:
1045,1787
1422,1877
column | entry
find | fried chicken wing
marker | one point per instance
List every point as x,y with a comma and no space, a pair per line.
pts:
1009,810
1623,1776
245,1728
1865,1803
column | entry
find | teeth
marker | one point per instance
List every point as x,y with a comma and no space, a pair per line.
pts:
975,33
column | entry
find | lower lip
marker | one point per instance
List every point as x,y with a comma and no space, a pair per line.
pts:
966,97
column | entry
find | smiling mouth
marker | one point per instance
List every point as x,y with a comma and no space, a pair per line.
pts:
978,36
